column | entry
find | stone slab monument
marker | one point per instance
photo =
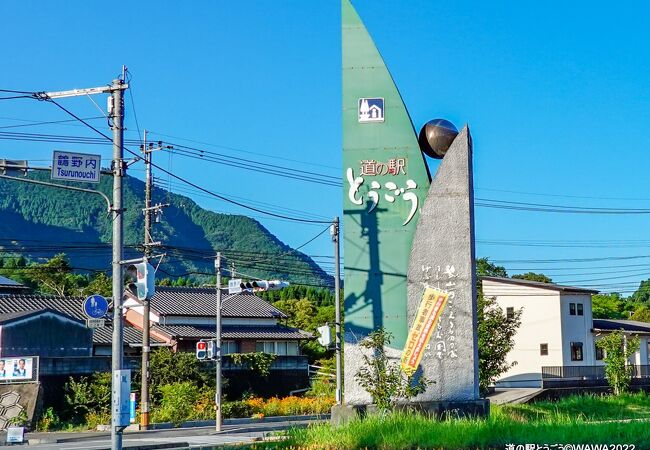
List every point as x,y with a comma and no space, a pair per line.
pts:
408,242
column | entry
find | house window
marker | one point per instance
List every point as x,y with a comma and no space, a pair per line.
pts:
576,351
277,347
580,309
228,347
292,348
281,348
600,353
265,346
510,313
543,349
572,309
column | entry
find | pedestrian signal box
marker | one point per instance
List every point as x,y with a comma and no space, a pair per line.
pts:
201,350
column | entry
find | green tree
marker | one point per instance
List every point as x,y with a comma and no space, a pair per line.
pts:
618,349
56,277
642,294
641,314
484,268
496,334
100,284
382,379
607,306
532,276
495,330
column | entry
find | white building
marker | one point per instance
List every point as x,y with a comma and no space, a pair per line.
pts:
557,333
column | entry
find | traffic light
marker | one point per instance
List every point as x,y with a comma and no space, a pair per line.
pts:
264,285
325,337
145,279
201,350
212,349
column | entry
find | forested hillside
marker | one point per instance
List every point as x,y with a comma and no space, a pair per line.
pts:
39,222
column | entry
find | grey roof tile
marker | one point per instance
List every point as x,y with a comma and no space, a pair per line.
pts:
181,301
132,336
20,303
234,332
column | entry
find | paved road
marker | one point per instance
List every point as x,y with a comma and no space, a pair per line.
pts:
504,396
183,438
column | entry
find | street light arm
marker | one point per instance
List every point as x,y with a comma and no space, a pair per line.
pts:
71,188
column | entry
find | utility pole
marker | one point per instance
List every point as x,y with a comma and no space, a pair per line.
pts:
337,308
148,210
146,343
118,167
217,346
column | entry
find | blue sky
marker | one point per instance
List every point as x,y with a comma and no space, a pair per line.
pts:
557,98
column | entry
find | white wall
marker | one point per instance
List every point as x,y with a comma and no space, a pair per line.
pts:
577,329
540,324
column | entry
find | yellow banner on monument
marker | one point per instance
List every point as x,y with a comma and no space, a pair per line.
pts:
431,307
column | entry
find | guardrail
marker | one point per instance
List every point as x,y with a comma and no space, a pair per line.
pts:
586,376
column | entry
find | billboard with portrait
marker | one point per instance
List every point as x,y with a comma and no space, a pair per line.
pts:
18,369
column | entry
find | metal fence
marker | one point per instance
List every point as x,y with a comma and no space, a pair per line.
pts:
589,372
82,365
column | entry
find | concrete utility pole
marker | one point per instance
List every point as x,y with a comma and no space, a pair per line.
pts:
146,343
119,168
337,309
149,244
217,346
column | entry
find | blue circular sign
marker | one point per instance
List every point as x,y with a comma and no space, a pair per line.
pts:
95,306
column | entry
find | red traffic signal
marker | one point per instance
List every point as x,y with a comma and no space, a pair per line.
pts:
201,350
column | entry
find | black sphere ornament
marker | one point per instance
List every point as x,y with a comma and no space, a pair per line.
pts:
436,137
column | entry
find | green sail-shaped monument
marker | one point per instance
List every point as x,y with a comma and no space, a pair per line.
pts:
388,201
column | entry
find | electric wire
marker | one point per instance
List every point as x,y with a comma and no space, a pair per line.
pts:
183,179
225,147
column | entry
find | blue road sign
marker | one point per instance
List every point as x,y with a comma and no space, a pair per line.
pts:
95,306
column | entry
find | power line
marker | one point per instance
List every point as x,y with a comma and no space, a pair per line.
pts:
135,115
552,261
180,187
50,122
225,147
540,207
267,168
185,180
562,195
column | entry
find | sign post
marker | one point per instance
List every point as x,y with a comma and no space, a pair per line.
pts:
234,286
95,306
80,167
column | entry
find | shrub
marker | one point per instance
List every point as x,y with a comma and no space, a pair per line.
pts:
289,406
618,349
97,418
177,402
384,380
204,408
258,362
236,409
48,421
88,395
167,367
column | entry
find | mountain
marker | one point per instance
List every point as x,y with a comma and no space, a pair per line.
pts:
39,222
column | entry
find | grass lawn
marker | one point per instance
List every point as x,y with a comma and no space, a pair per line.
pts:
570,421
588,407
